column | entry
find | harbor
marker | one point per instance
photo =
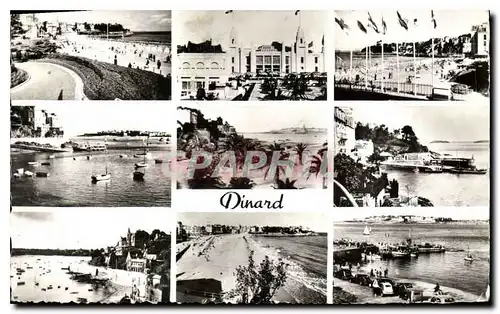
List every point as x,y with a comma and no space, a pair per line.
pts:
427,261
63,264
399,162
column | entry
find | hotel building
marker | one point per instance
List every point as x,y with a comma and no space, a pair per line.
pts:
344,134
206,66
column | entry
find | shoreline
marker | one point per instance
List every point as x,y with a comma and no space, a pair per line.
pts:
217,257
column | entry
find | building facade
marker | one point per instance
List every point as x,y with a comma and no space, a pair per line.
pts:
213,68
344,134
480,41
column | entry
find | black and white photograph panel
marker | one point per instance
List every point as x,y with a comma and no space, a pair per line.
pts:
88,155
252,258
412,55
394,155
252,147
413,257
251,55
90,55
56,258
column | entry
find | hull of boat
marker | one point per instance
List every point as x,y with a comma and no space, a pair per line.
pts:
138,176
101,178
468,171
399,255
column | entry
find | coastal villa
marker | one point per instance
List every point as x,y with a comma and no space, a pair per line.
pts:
136,264
209,66
40,122
344,134
129,241
362,150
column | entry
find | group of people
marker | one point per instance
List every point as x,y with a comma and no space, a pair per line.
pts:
133,55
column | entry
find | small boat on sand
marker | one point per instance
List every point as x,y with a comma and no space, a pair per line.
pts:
28,173
123,156
82,300
20,171
41,174
46,163
43,289
32,163
16,175
21,283
52,157
140,164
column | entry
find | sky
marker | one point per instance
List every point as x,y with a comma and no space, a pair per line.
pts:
252,27
449,23
316,221
263,118
87,117
463,213
430,123
133,20
82,228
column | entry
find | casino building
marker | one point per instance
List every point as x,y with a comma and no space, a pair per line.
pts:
207,66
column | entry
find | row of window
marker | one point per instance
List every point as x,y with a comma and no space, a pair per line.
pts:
273,60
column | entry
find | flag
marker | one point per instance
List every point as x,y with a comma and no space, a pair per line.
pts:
362,27
372,23
323,40
384,26
310,44
297,12
230,11
402,21
433,19
342,24
415,22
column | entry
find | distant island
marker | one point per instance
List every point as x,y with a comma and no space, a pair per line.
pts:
59,252
413,219
298,130
448,142
127,133
434,142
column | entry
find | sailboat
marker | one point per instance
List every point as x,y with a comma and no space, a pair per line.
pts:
145,155
367,231
102,177
468,257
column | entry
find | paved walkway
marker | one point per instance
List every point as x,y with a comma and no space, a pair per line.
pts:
47,82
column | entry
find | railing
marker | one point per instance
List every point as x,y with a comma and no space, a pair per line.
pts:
389,87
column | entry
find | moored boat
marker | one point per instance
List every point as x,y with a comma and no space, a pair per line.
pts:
138,176
46,163
28,173
468,171
366,231
158,161
102,177
41,174
32,163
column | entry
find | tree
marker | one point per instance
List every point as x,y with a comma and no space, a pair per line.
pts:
286,185
16,27
299,149
259,284
241,183
407,132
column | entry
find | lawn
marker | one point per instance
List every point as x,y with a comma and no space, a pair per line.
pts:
17,76
104,81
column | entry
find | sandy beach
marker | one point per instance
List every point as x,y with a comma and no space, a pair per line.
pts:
151,57
217,257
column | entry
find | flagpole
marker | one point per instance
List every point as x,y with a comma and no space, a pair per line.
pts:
432,67
350,67
366,70
383,68
397,62
414,69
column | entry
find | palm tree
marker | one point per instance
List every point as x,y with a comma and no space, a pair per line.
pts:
317,163
300,148
241,183
286,185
